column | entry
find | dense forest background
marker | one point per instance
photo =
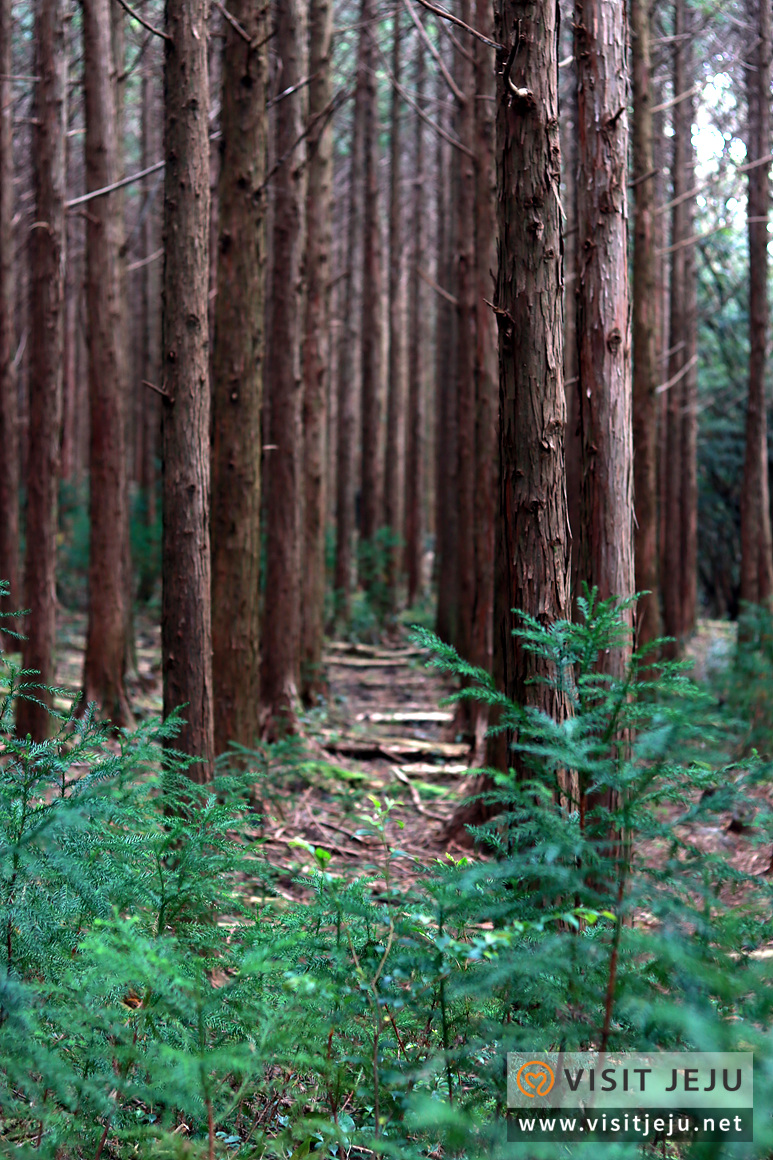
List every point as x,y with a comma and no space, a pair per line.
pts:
337,438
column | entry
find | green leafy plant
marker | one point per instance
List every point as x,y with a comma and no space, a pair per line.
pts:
145,538
744,681
158,997
374,557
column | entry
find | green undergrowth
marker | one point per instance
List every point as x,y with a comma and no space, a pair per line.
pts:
159,997
73,547
742,676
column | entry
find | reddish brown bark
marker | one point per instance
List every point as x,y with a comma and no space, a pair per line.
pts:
486,385
532,564
573,446
532,512
117,19
148,402
9,433
393,507
645,378
281,641
237,381
106,641
603,343
756,551
370,337
446,521
346,418
414,448
46,351
671,541
680,479
689,446
688,587
215,70
186,627
23,316
73,286
660,237
316,347
466,287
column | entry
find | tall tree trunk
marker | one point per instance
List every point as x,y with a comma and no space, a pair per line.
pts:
9,432
660,239
486,385
569,160
671,539
103,671
680,516
117,18
73,283
533,518
140,366
645,376
414,450
689,445
603,340
186,625
237,381
370,338
532,550
215,64
74,286
316,346
466,287
395,386
281,647
46,343
446,522
346,418
337,279
148,399
756,552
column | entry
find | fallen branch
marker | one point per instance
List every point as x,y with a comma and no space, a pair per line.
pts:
365,662
393,748
416,717
424,769
415,797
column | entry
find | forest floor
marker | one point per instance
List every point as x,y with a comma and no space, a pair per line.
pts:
382,734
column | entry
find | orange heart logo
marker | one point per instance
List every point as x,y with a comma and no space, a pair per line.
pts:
535,1078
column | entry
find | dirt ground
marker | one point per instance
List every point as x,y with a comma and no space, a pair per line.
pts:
382,732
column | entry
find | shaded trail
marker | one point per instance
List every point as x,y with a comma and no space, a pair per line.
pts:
381,732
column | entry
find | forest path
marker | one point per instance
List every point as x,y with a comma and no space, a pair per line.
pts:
381,732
